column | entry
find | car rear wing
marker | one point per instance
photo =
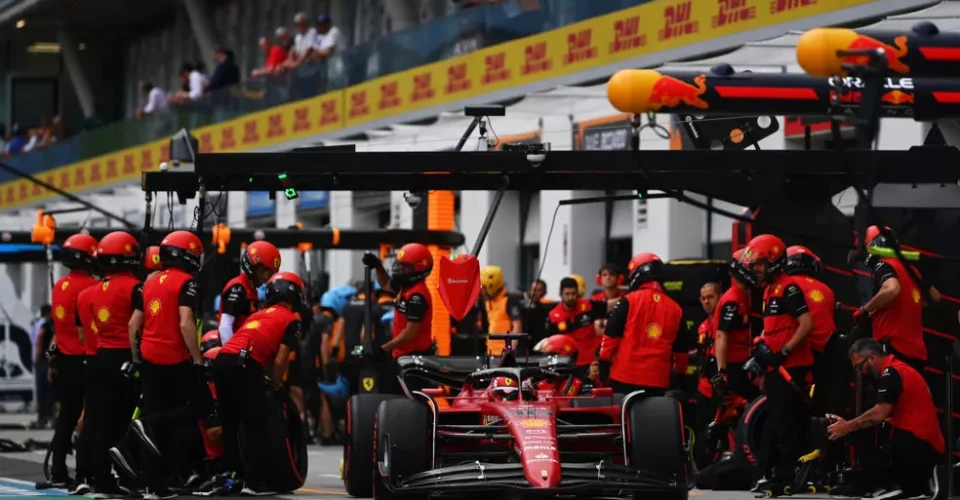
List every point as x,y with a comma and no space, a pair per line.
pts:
455,370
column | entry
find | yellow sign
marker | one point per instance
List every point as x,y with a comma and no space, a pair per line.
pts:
639,31
367,384
533,423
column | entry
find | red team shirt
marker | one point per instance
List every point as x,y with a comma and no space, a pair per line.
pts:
66,293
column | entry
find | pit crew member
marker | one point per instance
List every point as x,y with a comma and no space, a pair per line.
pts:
171,362
69,360
105,309
787,323
644,341
413,314
264,341
904,402
501,306
258,262
733,343
574,316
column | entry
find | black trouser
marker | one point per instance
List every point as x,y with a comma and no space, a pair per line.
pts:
648,392
69,387
739,382
112,399
45,396
84,451
166,409
784,438
908,461
240,396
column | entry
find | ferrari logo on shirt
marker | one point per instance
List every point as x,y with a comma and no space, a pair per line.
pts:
93,327
583,307
154,306
163,277
60,312
916,296
252,325
368,384
809,280
64,285
103,315
654,331
816,296
106,284
656,297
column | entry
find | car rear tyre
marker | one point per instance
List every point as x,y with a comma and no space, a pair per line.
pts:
405,424
656,443
358,451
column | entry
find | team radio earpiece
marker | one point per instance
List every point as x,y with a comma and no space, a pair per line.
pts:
619,276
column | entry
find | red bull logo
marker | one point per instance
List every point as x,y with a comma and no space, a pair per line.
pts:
893,53
897,98
671,92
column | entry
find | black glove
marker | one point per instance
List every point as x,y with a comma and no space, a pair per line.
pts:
719,382
130,370
372,261
604,371
773,359
584,320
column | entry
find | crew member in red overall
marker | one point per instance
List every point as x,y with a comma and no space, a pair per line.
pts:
734,341
77,254
560,345
787,323
644,341
413,316
905,403
609,280
896,309
106,308
258,262
804,265
709,297
262,345
172,364
574,316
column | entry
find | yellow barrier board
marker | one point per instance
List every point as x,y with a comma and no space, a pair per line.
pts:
639,31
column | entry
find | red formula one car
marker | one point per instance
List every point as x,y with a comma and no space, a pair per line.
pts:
532,440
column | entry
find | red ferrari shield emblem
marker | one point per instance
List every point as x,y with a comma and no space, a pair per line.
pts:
459,284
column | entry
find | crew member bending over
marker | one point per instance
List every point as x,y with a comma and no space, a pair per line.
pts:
905,403
643,343
258,262
413,316
261,346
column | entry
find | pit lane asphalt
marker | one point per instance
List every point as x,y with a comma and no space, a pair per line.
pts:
19,471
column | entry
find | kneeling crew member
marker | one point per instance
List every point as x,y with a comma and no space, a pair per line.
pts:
258,262
731,324
905,403
643,343
264,341
896,309
413,315
77,254
502,308
172,364
786,325
574,316
106,309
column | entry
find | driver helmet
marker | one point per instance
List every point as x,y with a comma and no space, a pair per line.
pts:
505,389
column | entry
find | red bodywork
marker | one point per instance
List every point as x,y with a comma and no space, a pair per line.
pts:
532,423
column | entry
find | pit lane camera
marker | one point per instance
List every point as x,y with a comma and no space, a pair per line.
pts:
414,198
536,153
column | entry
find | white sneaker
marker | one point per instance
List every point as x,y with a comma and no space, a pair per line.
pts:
888,495
79,490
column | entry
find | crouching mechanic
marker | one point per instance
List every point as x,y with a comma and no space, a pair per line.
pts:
904,402
263,342
643,343
413,315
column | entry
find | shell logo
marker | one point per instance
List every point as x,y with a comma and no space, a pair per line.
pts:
252,325
916,296
193,246
567,348
64,285
103,315
816,296
105,286
656,297
60,312
400,254
776,250
154,306
654,331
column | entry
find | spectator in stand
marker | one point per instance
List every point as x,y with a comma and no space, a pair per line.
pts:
284,40
303,43
226,74
18,139
156,100
329,40
194,83
274,56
